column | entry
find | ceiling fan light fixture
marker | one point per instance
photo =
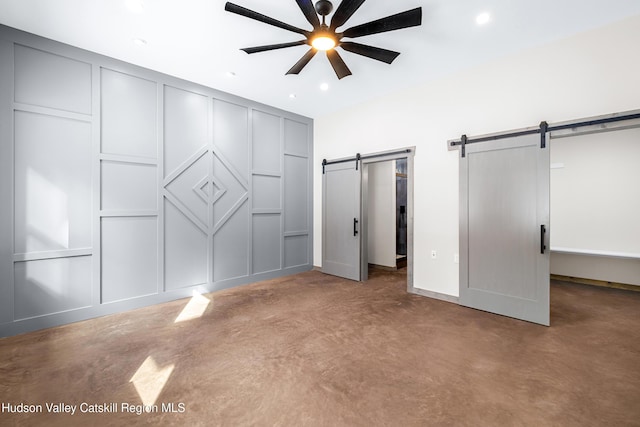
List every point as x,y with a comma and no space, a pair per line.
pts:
323,42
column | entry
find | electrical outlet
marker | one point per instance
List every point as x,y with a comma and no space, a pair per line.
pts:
456,258
434,254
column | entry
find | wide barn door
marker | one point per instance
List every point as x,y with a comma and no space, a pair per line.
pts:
341,220
504,228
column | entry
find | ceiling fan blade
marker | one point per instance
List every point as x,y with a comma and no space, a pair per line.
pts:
243,11
409,18
272,46
306,6
377,53
303,61
338,64
344,12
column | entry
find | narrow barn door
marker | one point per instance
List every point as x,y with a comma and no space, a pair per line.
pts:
341,219
504,227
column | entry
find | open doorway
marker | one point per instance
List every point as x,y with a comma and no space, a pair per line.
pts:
387,215
594,211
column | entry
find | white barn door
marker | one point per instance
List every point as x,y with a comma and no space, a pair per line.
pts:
504,228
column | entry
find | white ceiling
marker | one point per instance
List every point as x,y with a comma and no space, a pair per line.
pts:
198,41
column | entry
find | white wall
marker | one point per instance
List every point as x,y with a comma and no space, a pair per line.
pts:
618,270
586,75
585,213
382,214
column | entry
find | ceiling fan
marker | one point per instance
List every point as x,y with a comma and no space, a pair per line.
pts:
325,37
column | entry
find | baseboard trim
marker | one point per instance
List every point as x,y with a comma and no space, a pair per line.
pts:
435,295
592,282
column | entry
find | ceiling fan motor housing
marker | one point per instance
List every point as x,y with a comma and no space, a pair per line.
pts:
324,7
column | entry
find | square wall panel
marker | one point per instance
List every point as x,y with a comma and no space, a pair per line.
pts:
266,142
231,134
52,183
129,257
296,251
266,243
296,138
129,115
231,246
186,126
266,192
296,194
185,250
127,186
53,81
52,285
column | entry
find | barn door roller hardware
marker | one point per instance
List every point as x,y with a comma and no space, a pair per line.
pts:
542,129
358,158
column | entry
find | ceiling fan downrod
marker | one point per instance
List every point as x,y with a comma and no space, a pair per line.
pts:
323,7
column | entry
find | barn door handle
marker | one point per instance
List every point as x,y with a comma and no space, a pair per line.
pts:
355,227
543,230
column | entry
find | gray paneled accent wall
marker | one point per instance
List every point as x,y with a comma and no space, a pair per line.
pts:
122,187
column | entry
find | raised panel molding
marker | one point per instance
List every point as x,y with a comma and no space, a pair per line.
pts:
127,186
296,137
231,246
266,144
128,114
185,250
53,285
186,126
129,257
296,194
267,242
231,134
124,187
190,190
52,183
231,190
296,250
49,80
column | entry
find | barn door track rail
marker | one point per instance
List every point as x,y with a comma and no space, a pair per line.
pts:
358,158
542,129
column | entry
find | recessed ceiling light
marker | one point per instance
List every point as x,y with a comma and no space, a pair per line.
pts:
231,74
135,6
324,86
483,18
292,95
140,42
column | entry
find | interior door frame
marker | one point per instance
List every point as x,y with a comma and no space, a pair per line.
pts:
407,153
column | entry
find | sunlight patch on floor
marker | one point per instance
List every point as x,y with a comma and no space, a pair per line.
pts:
194,308
149,380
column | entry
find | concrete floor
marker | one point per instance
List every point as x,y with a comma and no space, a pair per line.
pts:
312,349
